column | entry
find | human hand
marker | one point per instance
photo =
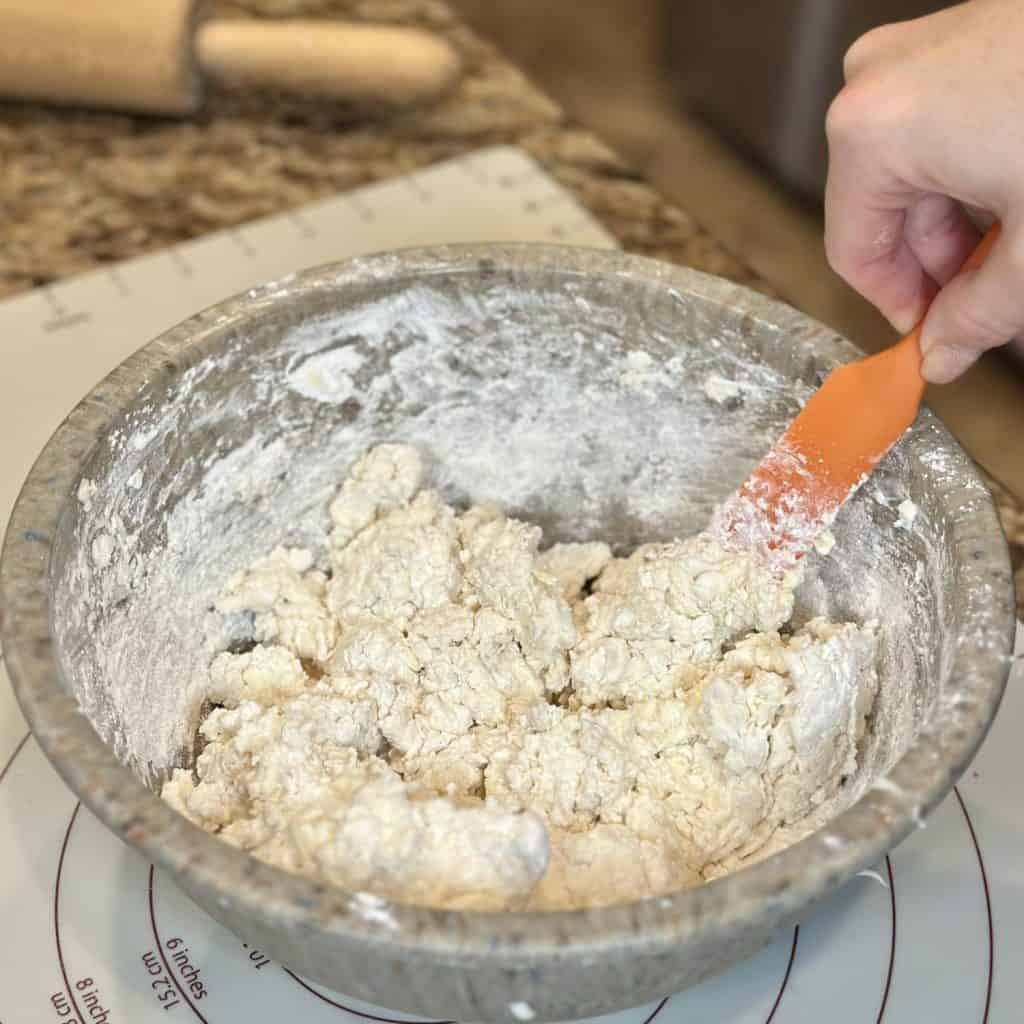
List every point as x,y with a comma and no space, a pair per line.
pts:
932,121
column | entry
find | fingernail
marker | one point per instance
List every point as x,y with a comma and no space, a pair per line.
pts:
941,364
904,323
910,315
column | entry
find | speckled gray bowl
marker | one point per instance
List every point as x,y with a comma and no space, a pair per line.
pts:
573,387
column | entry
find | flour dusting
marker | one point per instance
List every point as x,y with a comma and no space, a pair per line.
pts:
907,513
517,393
441,713
722,391
327,377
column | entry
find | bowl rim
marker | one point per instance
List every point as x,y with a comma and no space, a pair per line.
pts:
776,888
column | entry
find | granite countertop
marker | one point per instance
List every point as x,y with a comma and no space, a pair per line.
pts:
80,189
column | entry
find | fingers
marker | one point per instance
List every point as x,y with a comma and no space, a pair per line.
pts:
891,241
867,249
975,311
923,119
868,49
940,235
866,212
886,43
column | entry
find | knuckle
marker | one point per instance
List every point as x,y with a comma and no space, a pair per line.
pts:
940,220
848,114
842,260
974,327
868,48
837,118
870,110
862,50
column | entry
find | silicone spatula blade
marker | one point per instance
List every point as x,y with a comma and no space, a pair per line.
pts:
845,429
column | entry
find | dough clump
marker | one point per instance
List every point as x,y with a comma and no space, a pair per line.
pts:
443,714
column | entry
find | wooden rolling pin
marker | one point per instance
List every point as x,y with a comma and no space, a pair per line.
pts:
155,55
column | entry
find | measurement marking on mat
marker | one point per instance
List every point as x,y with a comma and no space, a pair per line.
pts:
115,278
469,167
242,242
417,189
304,227
785,977
543,202
892,942
61,316
163,956
361,207
583,227
70,992
988,902
50,297
184,267
69,320
17,750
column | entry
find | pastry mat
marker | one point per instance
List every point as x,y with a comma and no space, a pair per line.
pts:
933,933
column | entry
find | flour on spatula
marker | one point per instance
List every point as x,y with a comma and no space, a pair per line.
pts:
447,715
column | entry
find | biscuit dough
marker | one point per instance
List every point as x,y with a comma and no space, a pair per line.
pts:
443,714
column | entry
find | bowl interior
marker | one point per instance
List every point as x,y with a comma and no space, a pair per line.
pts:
584,402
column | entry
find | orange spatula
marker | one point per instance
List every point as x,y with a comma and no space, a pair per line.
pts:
840,435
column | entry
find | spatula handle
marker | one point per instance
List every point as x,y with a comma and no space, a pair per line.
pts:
973,262
983,248
903,360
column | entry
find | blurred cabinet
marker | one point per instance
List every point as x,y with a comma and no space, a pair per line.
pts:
763,72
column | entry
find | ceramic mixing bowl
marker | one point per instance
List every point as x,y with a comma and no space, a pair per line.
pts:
598,394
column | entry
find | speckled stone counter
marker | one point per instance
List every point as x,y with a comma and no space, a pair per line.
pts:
80,189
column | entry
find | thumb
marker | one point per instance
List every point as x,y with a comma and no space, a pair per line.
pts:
977,310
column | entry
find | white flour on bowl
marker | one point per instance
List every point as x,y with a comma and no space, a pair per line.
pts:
443,713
